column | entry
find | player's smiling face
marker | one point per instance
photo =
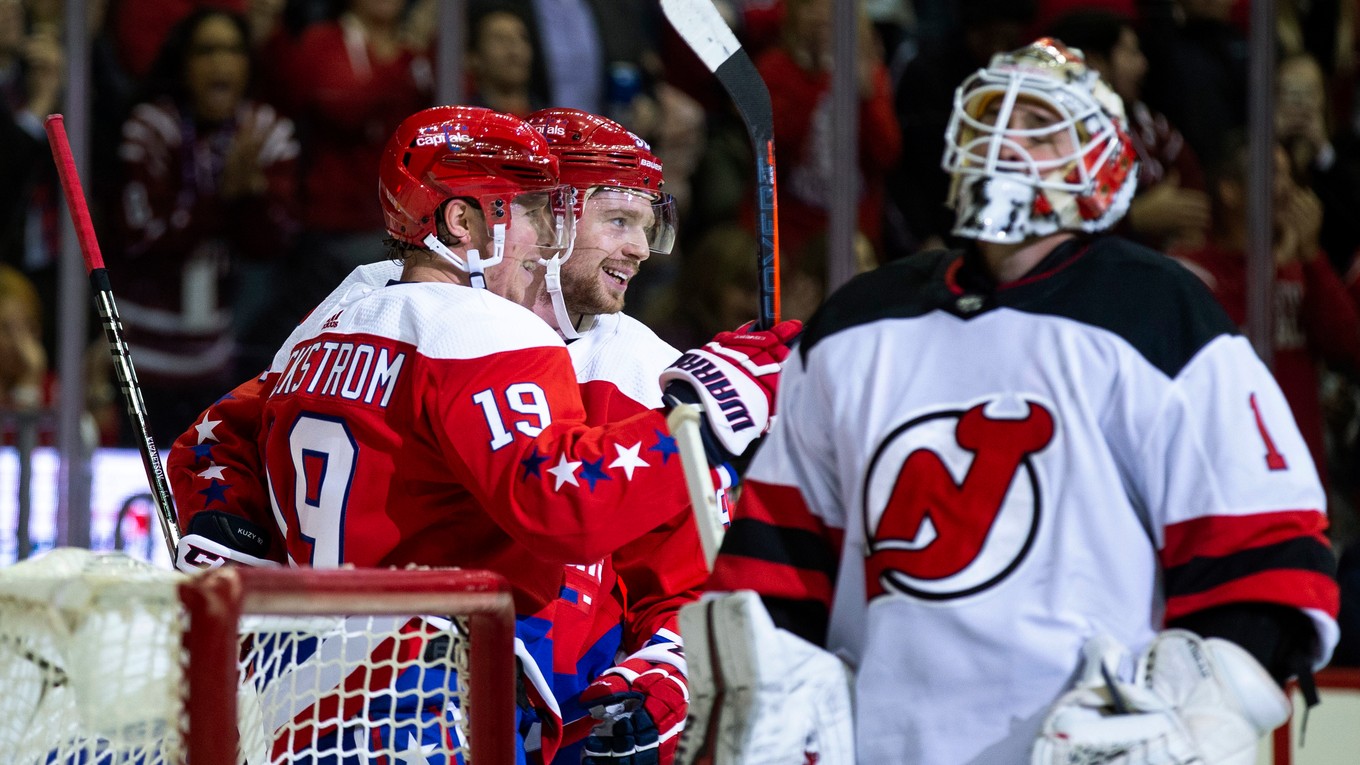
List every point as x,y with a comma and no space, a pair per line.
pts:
611,243
519,277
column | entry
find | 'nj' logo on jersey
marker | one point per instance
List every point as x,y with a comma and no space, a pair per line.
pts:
952,503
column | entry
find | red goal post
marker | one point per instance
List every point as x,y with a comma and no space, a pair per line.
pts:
104,657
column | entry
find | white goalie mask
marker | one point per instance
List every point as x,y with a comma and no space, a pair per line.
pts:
1036,144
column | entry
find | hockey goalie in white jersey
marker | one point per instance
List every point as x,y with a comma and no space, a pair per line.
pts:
1038,493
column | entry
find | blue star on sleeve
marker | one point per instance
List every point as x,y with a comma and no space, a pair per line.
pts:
216,492
531,464
203,451
594,471
664,444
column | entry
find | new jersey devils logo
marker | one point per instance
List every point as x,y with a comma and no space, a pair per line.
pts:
934,536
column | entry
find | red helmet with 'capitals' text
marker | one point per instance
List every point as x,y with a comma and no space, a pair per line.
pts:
469,152
594,155
596,152
1004,189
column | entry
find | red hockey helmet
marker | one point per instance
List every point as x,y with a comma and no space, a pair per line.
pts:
594,152
459,151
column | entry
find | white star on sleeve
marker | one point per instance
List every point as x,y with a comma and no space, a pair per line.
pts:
205,429
564,472
629,459
214,471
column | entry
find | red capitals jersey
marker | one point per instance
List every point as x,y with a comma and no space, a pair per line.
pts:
617,365
968,481
440,425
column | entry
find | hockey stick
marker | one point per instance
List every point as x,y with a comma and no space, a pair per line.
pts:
113,328
683,422
703,29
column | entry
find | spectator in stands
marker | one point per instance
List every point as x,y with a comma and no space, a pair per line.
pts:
1170,206
500,59
924,99
25,385
28,388
798,72
1197,69
32,67
208,178
349,82
1325,160
1314,319
141,27
803,285
716,287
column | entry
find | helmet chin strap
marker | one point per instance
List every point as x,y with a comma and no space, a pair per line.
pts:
552,278
475,266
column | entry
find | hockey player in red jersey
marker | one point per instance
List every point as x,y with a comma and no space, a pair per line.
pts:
425,422
627,604
1001,473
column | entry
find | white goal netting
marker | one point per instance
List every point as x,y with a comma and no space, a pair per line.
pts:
105,660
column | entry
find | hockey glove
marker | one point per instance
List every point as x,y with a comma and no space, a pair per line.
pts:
641,706
734,380
215,539
1225,698
1191,701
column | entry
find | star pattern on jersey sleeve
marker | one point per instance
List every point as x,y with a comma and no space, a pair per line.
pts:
216,492
205,429
628,459
565,472
532,463
202,451
664,444
593,472
214,471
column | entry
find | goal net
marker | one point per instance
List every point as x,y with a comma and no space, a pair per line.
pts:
105,660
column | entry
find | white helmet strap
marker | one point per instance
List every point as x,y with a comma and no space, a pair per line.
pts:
552,278
475,266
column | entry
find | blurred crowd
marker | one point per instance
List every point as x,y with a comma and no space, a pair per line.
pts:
235,145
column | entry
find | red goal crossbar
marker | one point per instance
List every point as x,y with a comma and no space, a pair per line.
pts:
215,603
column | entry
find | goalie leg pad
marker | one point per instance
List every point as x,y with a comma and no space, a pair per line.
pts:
760,695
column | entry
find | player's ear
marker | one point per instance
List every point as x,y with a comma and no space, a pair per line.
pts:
459,217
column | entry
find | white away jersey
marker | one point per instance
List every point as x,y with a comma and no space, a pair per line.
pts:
975,480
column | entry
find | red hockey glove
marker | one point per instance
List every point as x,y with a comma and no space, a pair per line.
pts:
641,706
734,379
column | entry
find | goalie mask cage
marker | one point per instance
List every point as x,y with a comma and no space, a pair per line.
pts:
105,660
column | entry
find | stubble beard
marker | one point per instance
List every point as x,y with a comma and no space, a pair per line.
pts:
585,294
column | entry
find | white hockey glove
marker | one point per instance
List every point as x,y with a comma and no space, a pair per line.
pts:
1192,701
215,539
760,695
1225,698
733,379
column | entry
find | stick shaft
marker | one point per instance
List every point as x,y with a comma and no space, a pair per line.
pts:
683,422
113,329
705,32
767,214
